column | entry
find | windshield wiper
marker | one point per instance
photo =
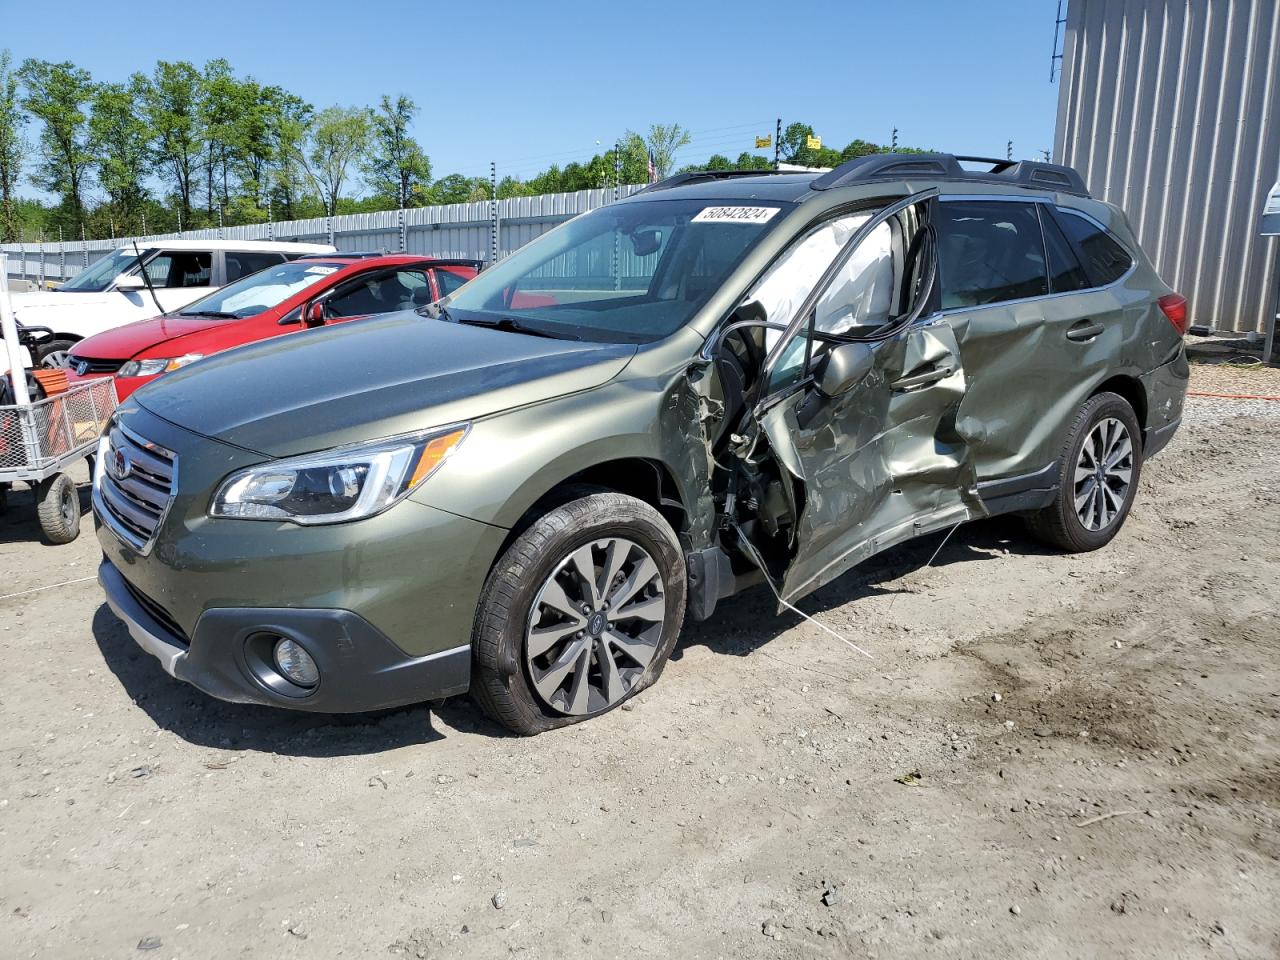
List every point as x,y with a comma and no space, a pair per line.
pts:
516,326
213,314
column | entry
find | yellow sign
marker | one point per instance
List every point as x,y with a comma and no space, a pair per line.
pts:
762,142
813,143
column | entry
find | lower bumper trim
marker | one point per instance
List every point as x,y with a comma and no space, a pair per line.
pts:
360,668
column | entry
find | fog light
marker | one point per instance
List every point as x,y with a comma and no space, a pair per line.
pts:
296,664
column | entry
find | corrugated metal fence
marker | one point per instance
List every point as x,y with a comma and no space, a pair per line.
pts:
1169,109
453,230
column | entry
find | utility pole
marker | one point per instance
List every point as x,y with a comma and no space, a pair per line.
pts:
493,212
144,224
271,219
893,146
1048,157
219,221
62,257
84,245
1008,150
777,144
617,170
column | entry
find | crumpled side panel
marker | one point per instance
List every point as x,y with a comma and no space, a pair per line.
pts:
880,464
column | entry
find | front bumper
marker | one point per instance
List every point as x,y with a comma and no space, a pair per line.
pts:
228,657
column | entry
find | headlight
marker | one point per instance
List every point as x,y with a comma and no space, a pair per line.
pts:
149,368
346,483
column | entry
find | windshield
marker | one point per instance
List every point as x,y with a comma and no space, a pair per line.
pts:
102,272
628,273
259,291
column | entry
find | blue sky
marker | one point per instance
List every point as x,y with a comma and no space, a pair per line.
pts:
529,84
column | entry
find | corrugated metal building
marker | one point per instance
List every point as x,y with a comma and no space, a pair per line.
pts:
1169,109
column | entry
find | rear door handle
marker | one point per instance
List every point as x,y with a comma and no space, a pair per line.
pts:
924,378
1085,330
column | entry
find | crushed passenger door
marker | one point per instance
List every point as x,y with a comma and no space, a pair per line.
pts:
867,430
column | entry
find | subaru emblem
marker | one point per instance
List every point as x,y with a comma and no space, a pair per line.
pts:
118,465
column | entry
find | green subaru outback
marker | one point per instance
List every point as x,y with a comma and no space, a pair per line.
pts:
726,379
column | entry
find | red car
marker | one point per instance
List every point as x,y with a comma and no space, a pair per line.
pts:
308,292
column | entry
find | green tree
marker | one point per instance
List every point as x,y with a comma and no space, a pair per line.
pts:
12,148
336,141
455,188
663,141
119,137
223,100
57,94
860,148
397,167
171,104
288,119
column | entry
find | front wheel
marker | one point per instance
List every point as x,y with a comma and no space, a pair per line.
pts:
55,354
579,614
1101,464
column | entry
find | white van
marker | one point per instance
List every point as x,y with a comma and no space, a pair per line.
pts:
112,291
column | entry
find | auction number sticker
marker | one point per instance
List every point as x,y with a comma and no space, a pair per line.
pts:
735,214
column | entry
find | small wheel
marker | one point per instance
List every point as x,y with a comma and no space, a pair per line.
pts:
1101,464
54,354
58,507
579,614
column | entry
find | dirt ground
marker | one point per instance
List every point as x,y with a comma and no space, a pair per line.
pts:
1050,756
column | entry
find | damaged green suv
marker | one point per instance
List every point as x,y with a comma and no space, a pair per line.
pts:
725,379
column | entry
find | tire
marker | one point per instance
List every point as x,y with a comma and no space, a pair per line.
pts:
54,353
1104,505
58,507
523,604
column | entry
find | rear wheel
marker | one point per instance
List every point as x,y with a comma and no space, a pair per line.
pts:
1101,464
579,614
58,507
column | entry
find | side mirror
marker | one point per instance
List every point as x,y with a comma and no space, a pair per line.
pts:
844,368
314,314
129,282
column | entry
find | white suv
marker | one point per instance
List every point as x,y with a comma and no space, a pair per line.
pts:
112,291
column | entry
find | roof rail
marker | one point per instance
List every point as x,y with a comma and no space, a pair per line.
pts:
693,176
945,166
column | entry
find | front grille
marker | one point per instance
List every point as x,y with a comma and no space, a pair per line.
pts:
136,482
87,365
158,613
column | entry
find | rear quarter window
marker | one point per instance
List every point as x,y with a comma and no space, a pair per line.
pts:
1103,258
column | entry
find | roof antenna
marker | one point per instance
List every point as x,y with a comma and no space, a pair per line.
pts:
146,278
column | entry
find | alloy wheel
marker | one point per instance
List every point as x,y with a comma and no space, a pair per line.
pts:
595,625
1104,473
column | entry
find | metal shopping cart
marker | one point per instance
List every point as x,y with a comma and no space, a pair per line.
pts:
40,439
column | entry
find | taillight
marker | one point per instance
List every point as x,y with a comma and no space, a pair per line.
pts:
1174,307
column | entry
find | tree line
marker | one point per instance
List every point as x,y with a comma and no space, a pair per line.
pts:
186,147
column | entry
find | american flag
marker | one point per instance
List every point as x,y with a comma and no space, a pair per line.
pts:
653,168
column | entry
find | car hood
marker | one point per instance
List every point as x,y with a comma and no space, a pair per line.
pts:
121,343
380,377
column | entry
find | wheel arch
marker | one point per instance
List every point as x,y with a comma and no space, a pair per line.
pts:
646,478
1131,389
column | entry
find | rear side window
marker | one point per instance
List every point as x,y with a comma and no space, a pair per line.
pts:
180,268
989,252
449,282
1103,258
241,264
1065,270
